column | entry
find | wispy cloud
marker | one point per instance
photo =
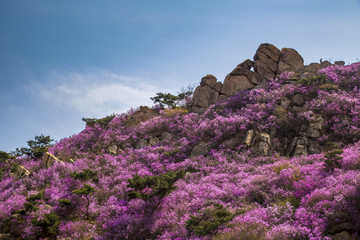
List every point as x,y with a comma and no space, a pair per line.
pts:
96,93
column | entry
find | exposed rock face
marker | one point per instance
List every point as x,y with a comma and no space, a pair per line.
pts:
20,173
142,115
49,159
141,144
240,78
290,60
263,144
266,60
268,63
166,137
342,236
113,149
153,141
200,149
207,93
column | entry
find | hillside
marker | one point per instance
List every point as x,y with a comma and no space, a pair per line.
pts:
273,152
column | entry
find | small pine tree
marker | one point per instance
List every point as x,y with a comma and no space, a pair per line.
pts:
36,147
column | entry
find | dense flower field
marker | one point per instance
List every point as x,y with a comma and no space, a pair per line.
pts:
164,191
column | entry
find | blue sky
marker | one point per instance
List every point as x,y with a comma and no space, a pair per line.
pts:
64,60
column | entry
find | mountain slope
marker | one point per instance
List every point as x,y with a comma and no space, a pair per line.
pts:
281,161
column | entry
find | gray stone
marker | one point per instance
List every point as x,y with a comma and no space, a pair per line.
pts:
208,80
262,148
312,67
300,150
141,144
20,173
49,159
233,84
316,125
204,96
291,146
313,133
298,100
269,50
290,60
325,64
302,141
302,128
266,60
200,149
249,137
341,63
264,137
262,69
222,98
143,114
112,149
166,137
314,148
342,236
285,102
153,141
232,143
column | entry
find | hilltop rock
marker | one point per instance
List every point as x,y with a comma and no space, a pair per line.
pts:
290,60
207,93
266,60
142,115
240,78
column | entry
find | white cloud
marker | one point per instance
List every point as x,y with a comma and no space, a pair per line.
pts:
97,93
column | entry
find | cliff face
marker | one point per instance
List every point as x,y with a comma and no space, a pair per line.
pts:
277,159
268,62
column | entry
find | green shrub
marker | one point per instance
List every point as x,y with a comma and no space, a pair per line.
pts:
65,202
36,148
161,185
49,225
4,156
84,175
332,159
317,80
103,122
35,197
85,191
209,220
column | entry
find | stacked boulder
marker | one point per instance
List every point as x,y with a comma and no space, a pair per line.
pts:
268,62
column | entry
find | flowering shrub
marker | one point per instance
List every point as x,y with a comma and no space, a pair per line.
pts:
161,190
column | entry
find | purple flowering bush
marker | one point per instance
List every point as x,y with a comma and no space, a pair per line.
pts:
163,190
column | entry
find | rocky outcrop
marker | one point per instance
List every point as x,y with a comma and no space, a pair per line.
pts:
240,78
113,149
19,173
207,93
342,236
266,60
290,60
200,149
49,159
142,115
269,62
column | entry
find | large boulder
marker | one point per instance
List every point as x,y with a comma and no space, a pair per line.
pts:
207,93
290,60
266,60
49,159
200,149
142,115
240,78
